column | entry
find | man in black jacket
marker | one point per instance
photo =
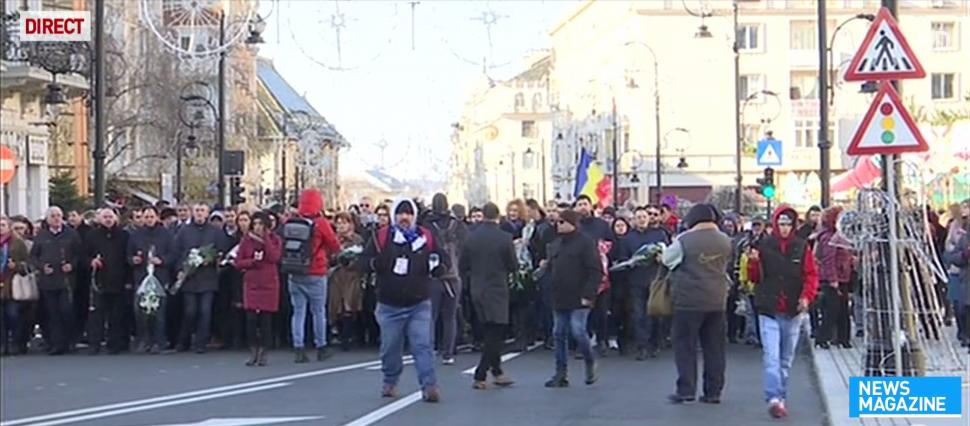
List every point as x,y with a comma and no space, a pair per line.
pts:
647,230
576,274
151,245
105,251
487,258
55,254
200,287
589,224
446,291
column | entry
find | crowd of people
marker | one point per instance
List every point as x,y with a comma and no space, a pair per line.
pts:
435,279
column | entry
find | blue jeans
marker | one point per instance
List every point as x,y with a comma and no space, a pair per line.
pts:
566,322
413,323
647,331
779,339
308,290
197,318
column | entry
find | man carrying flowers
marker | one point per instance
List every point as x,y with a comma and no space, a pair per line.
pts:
198,279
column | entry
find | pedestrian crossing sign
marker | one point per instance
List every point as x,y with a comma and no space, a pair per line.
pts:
769,152
887,127
884,53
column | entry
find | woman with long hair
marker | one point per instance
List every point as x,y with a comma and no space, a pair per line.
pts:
346,297
955,230
13,261
258,257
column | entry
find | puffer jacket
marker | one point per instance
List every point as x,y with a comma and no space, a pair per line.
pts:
324,240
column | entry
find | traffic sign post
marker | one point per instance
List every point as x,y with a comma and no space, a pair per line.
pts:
884,53
8,166
887,127
769,152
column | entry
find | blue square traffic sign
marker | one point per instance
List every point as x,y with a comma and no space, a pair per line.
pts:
769,152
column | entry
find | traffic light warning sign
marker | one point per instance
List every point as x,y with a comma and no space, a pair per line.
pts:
884,53
887,127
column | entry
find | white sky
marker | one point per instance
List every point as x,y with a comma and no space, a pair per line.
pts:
382,89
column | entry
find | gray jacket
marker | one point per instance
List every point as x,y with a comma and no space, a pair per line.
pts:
699,280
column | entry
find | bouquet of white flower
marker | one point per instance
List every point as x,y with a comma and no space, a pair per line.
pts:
197,257
645,255
150,292
350,254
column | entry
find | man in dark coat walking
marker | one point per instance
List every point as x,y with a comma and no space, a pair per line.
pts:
576,271
105,250
487,258
200,287
55,255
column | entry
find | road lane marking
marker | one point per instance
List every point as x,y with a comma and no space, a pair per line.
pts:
389,409
246,421
135,409
126,404
380,413
408,360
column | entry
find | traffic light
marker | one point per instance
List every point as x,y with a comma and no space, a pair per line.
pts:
236,191
768,183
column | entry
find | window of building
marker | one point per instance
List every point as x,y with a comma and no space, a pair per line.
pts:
536,102
528,190
806,133
942,85
804,85
750,84
803,35
529,129
519,101
944,35
748,37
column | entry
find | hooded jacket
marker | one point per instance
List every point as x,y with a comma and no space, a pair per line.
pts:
834,260
785,270
324,240
450,231
403,268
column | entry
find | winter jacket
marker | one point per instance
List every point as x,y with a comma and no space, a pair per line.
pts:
834,260
959,256
641,276
324,241
451,234
596,228
544,235
488,258
111,245
513,227
698,260
159,242
346,294
577,271
13,250
784,272
261,279
55,250
196,235
414,285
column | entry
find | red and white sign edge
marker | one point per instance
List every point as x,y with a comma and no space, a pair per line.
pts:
884,16
887,93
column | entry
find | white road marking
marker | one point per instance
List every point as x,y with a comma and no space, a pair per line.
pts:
380,413
135,409
408,360
385,411
245,421
189,394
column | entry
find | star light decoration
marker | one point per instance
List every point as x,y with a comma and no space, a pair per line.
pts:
340,22
190,28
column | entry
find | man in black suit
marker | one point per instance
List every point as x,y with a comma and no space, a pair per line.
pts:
488,257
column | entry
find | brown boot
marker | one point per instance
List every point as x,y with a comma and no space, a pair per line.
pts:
503,381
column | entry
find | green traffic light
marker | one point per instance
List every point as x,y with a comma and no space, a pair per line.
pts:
768,192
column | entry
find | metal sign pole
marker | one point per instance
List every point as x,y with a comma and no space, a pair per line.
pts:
894,270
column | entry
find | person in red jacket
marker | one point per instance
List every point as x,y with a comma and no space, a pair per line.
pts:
783,267
311,289
259,253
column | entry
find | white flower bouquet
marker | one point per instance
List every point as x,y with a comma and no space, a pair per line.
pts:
150,292
197,257
645,255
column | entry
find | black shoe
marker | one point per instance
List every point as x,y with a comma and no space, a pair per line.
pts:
93,350
860,334
654,353
822,345
324,353
301,356
677,399
710,399
253,357
155,350
558,381
200,350
603,350
181,348
732,340
591,376
642,355
845,345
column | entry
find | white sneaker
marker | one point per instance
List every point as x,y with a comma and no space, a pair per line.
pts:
613,344
448,361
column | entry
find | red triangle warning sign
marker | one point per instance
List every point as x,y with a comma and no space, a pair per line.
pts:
887,127
884,54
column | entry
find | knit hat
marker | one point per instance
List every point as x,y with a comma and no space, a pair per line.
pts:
785,219
701,213
571,216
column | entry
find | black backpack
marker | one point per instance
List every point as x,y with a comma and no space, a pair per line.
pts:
297,251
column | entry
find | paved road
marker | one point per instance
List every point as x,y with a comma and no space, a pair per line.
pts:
189,389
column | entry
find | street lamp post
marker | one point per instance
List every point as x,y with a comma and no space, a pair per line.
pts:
221,138
99,105
656,114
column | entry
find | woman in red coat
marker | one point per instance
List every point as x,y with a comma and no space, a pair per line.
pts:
258,257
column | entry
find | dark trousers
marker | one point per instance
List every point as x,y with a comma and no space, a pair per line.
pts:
835,324
735,323
444,308
109,312
491,359
150,329
228,315
600,316
707,327
197,319
648,331
259,328
60,318
10,327
368,331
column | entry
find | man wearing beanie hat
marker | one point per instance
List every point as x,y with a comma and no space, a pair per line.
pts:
698,259
783,267
576,270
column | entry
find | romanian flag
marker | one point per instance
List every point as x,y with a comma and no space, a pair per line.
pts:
591,181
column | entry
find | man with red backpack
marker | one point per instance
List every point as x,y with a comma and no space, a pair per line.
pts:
405,257
308,243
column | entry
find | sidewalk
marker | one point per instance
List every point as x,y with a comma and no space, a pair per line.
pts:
832,369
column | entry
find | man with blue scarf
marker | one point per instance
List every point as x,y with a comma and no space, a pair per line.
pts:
404,258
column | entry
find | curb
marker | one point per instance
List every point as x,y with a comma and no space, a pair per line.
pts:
817,381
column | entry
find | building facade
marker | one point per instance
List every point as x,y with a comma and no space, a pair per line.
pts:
604,54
